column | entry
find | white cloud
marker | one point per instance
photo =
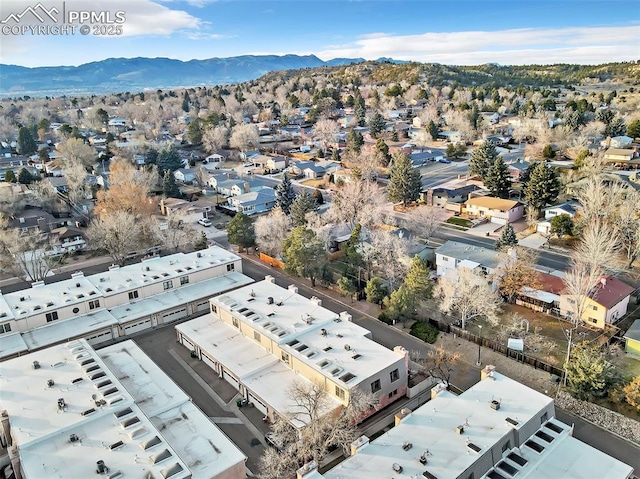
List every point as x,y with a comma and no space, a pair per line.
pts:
514,46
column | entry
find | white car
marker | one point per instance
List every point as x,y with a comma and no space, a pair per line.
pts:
204,222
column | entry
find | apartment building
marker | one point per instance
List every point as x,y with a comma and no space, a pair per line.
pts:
118,302
263,338
69,411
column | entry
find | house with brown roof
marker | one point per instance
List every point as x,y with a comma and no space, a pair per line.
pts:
545,298
498,211
606,304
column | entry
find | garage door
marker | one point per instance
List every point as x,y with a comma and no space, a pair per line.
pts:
498,221
174,315
209,361
230,378
258,403
187,343
99,337
204,306
135,327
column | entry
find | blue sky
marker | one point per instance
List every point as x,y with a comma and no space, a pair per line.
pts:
449,32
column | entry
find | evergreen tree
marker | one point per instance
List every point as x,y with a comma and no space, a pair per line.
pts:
335,155
375,291
633,129
304,253
10,176
352,256
543,187
354,141
376,125
169,187
404,183
525,176
359,108
617,127
498,179
589,374
201,242
317,195
194,132
285,195
561,225
417,281
25,177
507,238
102,115
240,231
433,130
382,151
26,144
169,159
151,157
303,204
548,153
482,158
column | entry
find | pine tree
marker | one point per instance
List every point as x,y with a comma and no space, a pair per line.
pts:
417,280
303,204
10,176
525,176
25,177
482,158
359,108
507,238
543,187
169,187
304,253
26,144
498,179
433,130
376,125
404,183
285,195
633,129
382,152
240,231
169,159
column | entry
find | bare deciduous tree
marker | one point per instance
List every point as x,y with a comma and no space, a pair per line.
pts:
516,272
358,202
244,137
216,138
384,253
311,427
425,221
439,364
173,234
117,233
271,231
627,224
467,294
325,130
128,190
599,199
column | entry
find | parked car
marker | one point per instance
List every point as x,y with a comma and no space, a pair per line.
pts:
444,160
204,222
274,441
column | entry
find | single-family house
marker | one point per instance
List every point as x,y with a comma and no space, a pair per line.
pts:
619,142
606,303
276,163
442,196
545,298
570,208
451,136
422,157
249,155
453,255
254,202
36,219
67,239
490,118
185,175
498,210
314,171
517,168
632,339
619,155
214,158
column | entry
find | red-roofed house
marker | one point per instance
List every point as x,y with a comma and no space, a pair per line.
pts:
606,304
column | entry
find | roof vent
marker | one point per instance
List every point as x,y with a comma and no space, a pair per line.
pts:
494,404
62,406
77,285
101,467
407,445
460,429
397,467
36,365
347,347
50,382
269,300
74,438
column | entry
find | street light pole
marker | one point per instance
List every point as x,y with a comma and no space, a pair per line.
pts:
479,344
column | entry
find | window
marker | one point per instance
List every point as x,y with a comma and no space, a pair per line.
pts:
394,375
340,392
51,316
5,328
95,304
594,307
235,322
393,393
375,386
571,301
285,357
445,258
256,336
184,280
593,320
167,285
231,267
214,309
133,295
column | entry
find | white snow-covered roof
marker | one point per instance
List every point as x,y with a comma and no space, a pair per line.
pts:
11,344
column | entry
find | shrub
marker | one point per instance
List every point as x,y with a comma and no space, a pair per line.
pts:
424,331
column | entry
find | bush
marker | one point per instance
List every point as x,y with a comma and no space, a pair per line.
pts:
384,317
424,331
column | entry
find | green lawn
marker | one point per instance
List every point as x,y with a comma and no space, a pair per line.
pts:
456,220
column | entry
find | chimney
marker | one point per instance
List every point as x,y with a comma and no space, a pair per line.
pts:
487,372
293,288
306,470
315,300
404,412
359,444
603,281
270,279
437,389
14,457
345,316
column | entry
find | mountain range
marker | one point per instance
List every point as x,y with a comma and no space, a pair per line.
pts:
136,74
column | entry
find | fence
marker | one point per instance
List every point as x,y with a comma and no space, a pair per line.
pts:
497,347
